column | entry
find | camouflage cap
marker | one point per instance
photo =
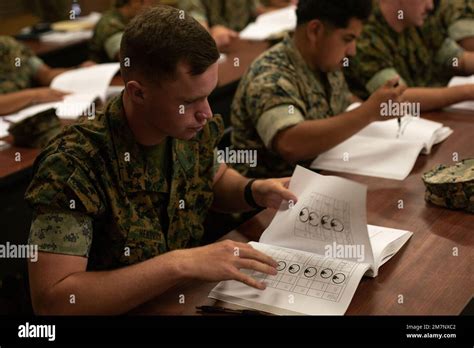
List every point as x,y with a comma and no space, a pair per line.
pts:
36,131
451,187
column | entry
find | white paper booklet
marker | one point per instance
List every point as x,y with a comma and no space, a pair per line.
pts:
323,247
270,24
376,150
459,81
85,86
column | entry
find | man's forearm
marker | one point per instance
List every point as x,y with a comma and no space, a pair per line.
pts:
309,139
229,193
112,292
467,44
438,98
12,102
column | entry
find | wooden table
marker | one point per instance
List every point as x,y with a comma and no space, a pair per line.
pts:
58,55
431,280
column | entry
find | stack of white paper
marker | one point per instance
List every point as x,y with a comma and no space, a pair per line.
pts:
459,81
376,150
85,85
270,24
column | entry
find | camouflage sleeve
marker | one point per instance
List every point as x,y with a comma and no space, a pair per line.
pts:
276,120
194,8
112,45
458,17
268,90
371,67
65,201
18,65
447,52
59,232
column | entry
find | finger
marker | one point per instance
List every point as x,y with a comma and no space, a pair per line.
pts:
246,279
286,194
256,266
251,253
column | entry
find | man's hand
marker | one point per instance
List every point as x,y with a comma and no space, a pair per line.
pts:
222,35
46,95
270,193
392,90
224,261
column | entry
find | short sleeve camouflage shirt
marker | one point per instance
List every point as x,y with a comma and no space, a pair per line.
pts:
97,194
18,65
279,91
105,43
422,57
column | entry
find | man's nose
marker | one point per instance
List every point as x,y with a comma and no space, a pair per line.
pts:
205,113
352,50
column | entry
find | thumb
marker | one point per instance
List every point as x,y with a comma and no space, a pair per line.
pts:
393,82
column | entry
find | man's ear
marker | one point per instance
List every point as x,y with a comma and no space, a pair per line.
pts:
136,92
314,30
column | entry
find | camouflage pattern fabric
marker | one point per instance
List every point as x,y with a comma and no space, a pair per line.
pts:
451,187
233,14
280,91
111,23
422,57
18,65
97,194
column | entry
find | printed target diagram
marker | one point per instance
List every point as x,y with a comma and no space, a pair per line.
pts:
325,219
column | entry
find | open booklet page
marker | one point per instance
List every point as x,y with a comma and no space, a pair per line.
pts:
323,247
305,284
330,210
380,150
85,85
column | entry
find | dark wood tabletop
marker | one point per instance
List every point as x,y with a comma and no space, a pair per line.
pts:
426,272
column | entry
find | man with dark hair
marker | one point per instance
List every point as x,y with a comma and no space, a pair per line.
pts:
105,44
291,104
398,42
119,202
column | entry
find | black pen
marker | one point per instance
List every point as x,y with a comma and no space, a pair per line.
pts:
223,310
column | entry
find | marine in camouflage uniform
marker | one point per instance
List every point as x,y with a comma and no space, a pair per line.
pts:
233,14
18,66
422,57
105,44
96,192
281,91
455,16
451,187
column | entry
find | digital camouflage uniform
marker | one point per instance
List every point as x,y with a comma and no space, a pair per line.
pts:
233,14
280,91
105,44
96,192
451,187
422,57
18,65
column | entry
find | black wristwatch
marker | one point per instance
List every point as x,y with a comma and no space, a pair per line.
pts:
249,196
